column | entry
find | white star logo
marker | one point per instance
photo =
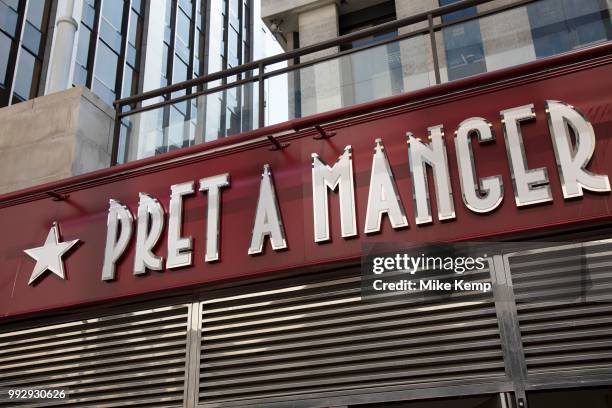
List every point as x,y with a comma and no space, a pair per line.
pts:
49,256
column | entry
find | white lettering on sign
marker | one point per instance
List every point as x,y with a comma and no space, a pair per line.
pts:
573,140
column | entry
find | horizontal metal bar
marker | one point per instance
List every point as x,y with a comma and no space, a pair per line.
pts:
347,38
330,317
295,67
259,357
189,96
345,366
259,384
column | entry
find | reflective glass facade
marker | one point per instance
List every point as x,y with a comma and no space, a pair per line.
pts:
23,28
108,47
229,47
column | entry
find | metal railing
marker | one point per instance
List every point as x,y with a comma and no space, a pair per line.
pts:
251,77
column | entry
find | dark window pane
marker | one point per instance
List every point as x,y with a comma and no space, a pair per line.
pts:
25,75
31,38
5,49
563,25
8,18
106,66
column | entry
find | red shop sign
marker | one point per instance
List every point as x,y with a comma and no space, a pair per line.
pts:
500,160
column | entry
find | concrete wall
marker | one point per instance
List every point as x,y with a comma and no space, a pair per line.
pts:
279,8
54,137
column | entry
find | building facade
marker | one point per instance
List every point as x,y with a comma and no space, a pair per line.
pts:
116,49
245,271
528,33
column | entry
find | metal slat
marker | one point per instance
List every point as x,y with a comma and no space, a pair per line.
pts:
564,306
134,358
485,370
316,334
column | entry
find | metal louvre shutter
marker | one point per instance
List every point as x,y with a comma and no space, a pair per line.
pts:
299,337
135,358
565,318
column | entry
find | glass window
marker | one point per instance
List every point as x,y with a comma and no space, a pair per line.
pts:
5,50
563,25
106,66
463,44
107,95
8,17
182,26
88,15
234,9
180,71
110,35
25,75
136,5
36,13
80,75
31,38
112,11
168,22
128,75
134,25
232,46
83,46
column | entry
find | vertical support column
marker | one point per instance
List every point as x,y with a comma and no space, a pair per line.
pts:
434,48
116,137
261,103
509,330
192,362
63,48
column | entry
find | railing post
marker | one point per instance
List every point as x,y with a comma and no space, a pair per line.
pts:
434,48
116,133
261,102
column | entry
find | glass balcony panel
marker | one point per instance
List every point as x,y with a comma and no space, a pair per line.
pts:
466,45
522,34
358,77
192,121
